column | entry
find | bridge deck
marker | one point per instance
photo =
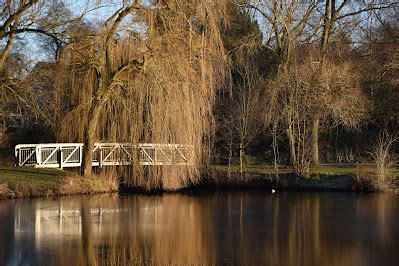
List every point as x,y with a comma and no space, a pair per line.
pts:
60,155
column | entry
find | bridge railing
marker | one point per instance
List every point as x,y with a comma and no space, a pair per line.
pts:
60,155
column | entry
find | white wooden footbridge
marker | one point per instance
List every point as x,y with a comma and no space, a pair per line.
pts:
60,155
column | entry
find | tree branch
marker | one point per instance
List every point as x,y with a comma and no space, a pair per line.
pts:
301,25
57,40
370,8
15,16
264,14
137,64
7,48
341,6
114,27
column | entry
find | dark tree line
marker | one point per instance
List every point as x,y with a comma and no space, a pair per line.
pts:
326,82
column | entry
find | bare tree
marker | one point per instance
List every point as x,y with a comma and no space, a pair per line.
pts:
336,91
247,109
11,14
289,24
385,159
285,23
226,133
23,91
43,18
335,14
292,93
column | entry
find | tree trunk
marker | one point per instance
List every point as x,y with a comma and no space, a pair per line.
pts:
89,139
275,148
327,26
241,157
315,141
6,51
230,158
291,138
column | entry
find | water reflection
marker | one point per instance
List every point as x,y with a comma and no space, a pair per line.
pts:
213,228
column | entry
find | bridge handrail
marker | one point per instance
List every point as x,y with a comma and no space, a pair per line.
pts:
19,146
61,155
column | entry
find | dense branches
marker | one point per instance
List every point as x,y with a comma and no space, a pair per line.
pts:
158,80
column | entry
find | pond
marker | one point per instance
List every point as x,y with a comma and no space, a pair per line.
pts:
202,228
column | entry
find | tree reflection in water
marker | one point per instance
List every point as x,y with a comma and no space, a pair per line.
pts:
251,227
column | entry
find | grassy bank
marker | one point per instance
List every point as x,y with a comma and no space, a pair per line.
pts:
36,182
326,171
324,178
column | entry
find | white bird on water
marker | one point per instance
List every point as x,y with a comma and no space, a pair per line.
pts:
273,191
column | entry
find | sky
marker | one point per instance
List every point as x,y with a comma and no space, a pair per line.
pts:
95,12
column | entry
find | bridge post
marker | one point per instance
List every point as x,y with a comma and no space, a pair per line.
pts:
38,155
174,148
60,156
80,155
155,155
100,160
19,158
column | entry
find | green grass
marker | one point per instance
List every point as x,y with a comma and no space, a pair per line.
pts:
254,169
322,171
396,172
325,172
26,182
33,177
35,182
335,170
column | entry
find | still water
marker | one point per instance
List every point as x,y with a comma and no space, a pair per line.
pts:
244,228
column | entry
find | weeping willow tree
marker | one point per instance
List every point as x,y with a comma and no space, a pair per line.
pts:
147,75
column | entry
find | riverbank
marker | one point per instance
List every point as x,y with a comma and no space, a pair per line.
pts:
264,178
36,182
284,181
325,178
26,182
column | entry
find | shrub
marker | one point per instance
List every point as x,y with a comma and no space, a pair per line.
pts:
380,177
